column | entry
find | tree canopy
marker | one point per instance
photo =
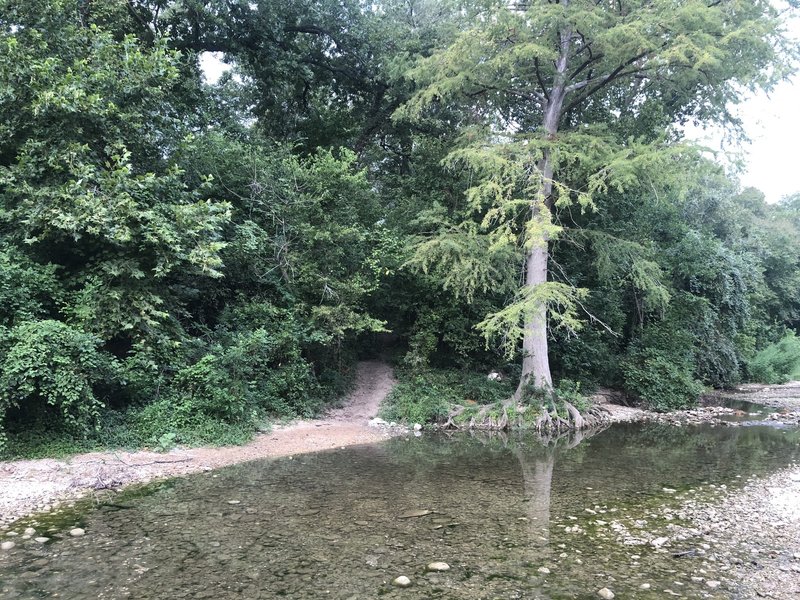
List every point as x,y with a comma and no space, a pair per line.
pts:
457,183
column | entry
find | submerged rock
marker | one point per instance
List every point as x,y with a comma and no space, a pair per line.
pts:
401,581
77,532
42,540
438,566
410,514
7,545
605,593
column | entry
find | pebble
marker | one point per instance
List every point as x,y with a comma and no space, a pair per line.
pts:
7,545
77,532
30,531
438,566
544,570
712,584
42,540
659,541
417,427
402,581
605,593
644,586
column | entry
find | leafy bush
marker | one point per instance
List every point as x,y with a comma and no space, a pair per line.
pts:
778,362
269,372
49,368
27,289
206,389
420,396
426,396
163,424
659,380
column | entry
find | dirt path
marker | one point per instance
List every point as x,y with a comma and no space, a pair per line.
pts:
28,486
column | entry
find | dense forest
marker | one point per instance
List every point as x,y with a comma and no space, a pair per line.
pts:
460,186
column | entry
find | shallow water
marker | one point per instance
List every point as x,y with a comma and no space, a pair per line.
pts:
338,524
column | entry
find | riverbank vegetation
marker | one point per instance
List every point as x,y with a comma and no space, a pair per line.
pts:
481,186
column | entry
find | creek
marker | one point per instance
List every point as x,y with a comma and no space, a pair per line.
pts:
513,517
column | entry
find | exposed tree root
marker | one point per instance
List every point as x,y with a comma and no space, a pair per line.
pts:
513,416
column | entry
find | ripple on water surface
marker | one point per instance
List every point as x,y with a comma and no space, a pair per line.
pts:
512,518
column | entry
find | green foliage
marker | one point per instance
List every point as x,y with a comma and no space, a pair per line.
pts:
778,362
566,391
28,290
427,395
165,422
52,369
660,382
658,368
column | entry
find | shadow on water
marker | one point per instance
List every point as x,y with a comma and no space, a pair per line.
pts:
513,516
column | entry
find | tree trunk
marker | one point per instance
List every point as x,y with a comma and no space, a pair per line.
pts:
535,362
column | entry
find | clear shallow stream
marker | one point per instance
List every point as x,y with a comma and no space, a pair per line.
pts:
339,525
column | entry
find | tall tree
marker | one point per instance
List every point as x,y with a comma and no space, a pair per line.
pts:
545,79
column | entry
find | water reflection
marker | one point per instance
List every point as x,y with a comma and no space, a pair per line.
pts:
514,517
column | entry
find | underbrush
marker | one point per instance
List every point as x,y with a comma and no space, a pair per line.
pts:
63,392
778,362
427,396
153,427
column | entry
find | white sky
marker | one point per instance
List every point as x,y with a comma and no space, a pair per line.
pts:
773,124
771,121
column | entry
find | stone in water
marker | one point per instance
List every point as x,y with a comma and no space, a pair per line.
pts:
605,593
402,581
438,566
77,532
415,513
7,545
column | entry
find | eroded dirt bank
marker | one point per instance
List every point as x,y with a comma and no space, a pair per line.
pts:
28,486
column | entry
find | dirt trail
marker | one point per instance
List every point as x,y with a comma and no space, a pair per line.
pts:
28,486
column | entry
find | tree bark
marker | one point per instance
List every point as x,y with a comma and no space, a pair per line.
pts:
535,361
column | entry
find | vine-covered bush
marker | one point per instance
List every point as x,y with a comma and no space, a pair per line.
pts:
663,382
50,369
